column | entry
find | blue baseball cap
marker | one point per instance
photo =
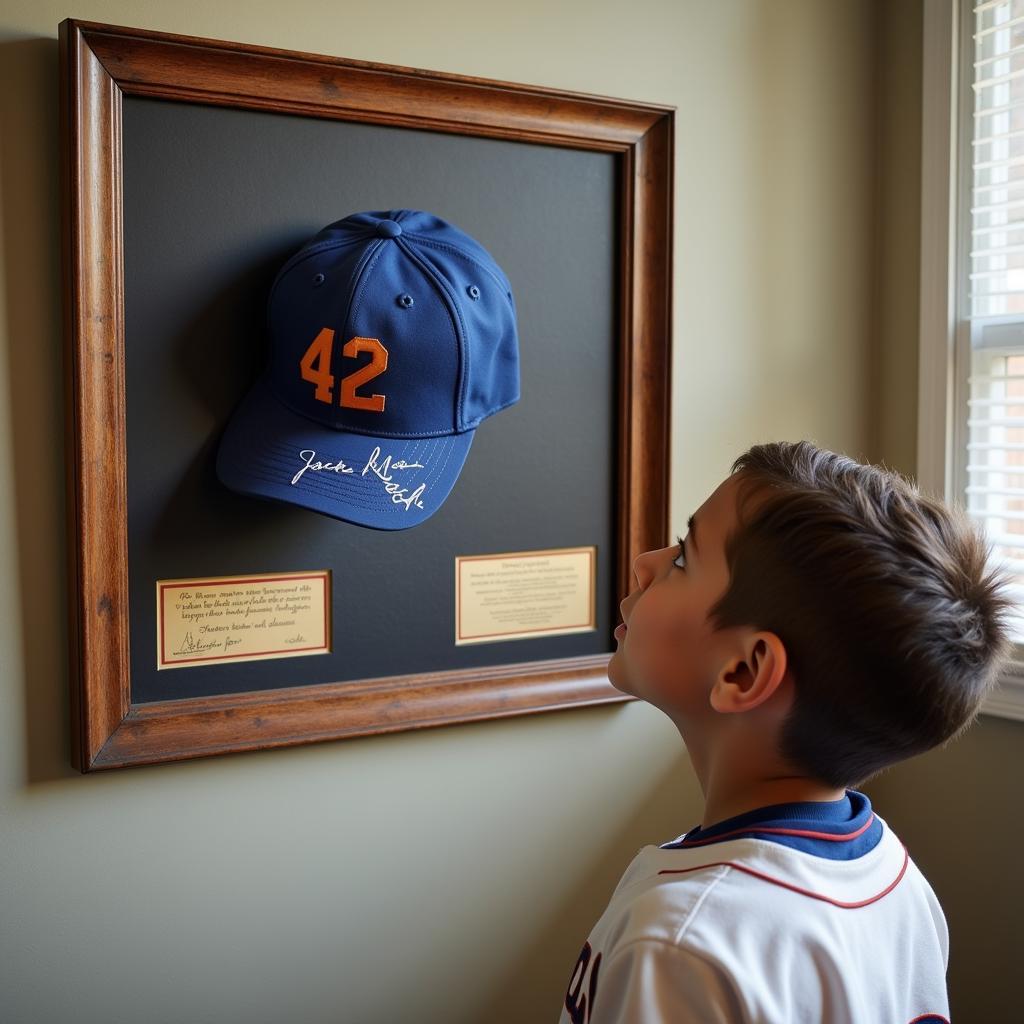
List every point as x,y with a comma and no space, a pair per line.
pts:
392,337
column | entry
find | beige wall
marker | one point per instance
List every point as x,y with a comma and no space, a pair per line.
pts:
896,255
451,875
958,811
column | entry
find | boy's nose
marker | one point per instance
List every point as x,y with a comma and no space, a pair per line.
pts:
644,568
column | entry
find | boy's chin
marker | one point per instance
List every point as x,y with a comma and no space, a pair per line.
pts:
618,676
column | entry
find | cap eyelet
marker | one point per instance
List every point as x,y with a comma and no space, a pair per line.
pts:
405,301
474,292
318,279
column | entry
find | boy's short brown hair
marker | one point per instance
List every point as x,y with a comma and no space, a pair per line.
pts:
893,623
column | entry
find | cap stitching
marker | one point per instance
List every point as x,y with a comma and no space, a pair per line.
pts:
473,424
400,434
306,252
444,465
504,284
366,263
457,323
312,485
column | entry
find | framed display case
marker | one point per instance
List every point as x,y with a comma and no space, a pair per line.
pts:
192,170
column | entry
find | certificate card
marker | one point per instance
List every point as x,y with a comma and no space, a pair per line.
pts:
525,594
241,618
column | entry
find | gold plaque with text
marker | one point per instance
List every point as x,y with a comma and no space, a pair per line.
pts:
524,594
226,619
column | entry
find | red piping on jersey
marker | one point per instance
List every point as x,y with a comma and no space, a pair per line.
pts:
795,888
806,833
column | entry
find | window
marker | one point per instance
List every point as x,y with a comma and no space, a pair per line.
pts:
971,425
992,460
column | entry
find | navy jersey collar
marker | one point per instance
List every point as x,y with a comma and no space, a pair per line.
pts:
842,829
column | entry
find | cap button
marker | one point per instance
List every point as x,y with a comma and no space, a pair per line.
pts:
388,229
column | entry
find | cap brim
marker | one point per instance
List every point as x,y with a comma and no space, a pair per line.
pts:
384,483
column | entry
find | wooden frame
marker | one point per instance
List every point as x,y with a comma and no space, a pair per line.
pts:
99,65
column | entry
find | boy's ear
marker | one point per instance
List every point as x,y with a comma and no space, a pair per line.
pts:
750,678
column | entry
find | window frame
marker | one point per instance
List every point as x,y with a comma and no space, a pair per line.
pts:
944,340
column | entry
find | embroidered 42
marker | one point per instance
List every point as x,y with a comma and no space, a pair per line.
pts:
316,368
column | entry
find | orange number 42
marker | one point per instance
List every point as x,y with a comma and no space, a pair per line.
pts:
316,368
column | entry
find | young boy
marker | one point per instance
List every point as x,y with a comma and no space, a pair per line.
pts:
821,620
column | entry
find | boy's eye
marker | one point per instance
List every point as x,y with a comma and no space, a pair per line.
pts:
680,560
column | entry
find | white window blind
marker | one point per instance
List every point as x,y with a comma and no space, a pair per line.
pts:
994,292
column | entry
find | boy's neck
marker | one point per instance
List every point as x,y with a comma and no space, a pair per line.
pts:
739,767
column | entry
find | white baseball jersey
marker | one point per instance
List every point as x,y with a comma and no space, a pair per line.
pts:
809,912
